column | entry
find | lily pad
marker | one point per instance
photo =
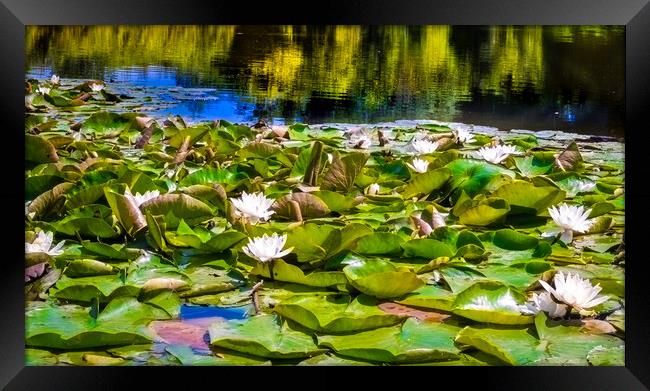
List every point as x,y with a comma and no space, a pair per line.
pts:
333,314
175,207
380,278
473,176
283,271
69,326
413,341
263,336
491,302
526,198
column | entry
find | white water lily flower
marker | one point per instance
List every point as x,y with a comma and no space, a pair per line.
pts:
464,135
54,79
576,186
42,244
569,218
96,87
373,189
496,154
509,149
44,90
424,146
78,136
254,207
544,302
140,199
419,165
575,291
438,219
267,248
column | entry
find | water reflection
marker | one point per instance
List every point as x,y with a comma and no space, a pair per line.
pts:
559,77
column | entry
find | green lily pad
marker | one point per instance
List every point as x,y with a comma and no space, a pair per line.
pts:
567,344
106,123
208,280
39,150
334,314
69,326
411,342
312,241
491,302
526,198
426,182
283,271
187,356
485,212
379,243
331,360
531,166
512,345
473,176
263,336
380,278
126,210
510,239
175,207
426,248
430,296
212,175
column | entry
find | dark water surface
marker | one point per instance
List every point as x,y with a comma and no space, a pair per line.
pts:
524,77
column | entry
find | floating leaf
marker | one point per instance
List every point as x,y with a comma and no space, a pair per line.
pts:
310,206
126,210
569,159
413,341
283,271
426,248
343,172
491,302
524,197
175,207
380,278
472,176
263,336
68,326
379,243
334,314
427,182
511,345
513,240
485,212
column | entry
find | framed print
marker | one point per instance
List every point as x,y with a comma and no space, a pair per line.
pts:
378,184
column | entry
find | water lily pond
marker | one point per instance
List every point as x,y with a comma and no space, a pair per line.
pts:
163,241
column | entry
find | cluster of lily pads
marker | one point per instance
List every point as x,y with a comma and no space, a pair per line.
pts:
432,244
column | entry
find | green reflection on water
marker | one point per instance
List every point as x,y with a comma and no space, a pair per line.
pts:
376,72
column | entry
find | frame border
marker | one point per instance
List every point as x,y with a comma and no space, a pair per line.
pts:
634,14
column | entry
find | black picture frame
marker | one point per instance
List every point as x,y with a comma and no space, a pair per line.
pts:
634,14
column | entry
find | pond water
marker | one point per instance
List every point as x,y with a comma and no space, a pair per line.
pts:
511,77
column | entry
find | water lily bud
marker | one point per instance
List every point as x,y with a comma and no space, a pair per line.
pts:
373,189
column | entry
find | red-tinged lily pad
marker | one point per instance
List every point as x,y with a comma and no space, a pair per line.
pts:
402,310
